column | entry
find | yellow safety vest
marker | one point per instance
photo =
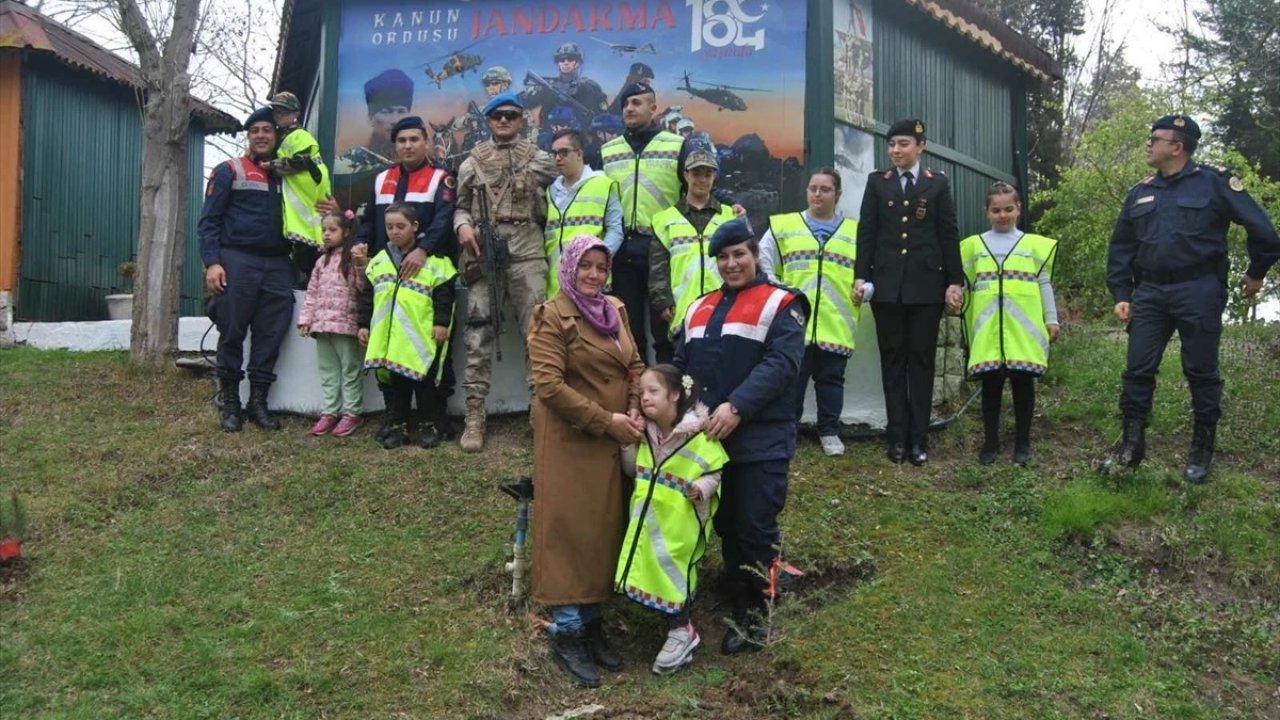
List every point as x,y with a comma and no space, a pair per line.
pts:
1004,315
648,182
400,334
693,274
825,274
301,192
658,565
583,216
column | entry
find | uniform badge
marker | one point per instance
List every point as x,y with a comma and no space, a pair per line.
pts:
1145,199
1235,184
450,193
449,182
798,316
919,128
920,211
1179,122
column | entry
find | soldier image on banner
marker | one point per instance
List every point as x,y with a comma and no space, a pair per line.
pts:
568,88
500,212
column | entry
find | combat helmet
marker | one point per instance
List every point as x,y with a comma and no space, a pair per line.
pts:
569,50
496,74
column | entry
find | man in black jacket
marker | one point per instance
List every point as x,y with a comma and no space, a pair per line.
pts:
908,267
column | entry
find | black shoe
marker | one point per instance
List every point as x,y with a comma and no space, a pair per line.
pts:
989,452
572,656
744,636
601,651
229,415
1021,453
395,437
1132,448
897,453
1200,459
257,408
918,455
429,436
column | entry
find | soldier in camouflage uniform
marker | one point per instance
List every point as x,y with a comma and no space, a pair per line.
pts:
514,174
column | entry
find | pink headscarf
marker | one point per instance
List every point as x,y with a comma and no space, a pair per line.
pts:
597,310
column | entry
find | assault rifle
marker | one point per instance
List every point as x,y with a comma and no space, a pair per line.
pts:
533,79
495,257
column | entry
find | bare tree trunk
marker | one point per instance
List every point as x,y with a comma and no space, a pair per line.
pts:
164,56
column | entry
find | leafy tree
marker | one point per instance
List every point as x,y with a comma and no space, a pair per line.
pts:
1084,205
1235,63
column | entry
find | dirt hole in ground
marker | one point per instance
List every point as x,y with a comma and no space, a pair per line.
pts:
13,576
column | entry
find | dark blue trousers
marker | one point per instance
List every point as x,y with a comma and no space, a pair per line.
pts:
258,299
827,370
1194,309
752,496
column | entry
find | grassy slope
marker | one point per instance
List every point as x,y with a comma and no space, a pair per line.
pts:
178,572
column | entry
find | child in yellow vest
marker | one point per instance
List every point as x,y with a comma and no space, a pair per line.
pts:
306,179
1010,317
404,324
677,469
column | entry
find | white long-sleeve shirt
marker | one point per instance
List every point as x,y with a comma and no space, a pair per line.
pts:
562,195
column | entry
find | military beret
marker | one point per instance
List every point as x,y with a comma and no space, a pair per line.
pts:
632,90
409,122
262,114
501,100
733,232
911,127
641,70
1181,123
390,89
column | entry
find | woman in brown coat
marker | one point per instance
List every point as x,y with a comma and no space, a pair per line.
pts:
586,406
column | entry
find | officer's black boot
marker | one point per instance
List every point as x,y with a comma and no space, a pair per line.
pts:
388,399
1201,455
1022,443
257,410
1132,448
573,657
601,651
229,416
747,632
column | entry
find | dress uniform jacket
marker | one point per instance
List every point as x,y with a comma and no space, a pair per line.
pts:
909,247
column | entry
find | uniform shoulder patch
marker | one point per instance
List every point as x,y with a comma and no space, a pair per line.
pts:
797,316
888,175
449,182
1235,184
1147,180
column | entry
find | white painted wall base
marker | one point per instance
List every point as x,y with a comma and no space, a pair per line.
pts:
6,319
297,387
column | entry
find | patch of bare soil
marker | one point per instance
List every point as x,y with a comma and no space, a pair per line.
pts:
13,575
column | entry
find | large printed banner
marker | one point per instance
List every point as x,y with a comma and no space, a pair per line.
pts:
855,58
730,73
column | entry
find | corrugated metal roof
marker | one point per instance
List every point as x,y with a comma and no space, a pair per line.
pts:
23,27
988,31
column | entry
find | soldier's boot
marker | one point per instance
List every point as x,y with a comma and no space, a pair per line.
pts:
229,413
388,399
1201,456
429,432
1132,448
472,440
257,410
397,421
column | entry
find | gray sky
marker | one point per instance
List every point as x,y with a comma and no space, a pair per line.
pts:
1137,23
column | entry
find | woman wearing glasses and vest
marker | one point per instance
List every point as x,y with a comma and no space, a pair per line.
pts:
743,345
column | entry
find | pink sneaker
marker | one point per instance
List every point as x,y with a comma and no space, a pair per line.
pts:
324,424
348,424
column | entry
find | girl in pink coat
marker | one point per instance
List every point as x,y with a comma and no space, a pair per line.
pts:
329,315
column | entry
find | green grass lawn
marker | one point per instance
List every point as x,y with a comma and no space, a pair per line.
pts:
177,572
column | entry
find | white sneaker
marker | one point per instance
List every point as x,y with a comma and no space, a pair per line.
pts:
831,445
677,651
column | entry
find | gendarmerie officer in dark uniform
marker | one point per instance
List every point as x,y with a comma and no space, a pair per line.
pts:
909,268
1167,270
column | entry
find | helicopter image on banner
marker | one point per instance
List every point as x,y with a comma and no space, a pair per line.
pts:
456,64
722,96
628,49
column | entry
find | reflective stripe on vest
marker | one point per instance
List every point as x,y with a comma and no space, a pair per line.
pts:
750,317
1004,314
658,565
584,215
824,272
422,185
248,176
302,222
693,274
400,334
647,182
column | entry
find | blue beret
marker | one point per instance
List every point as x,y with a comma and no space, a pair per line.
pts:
262,114
1181,123
911,127
633,89
501,99
390,89
733,232
409,122
641,70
